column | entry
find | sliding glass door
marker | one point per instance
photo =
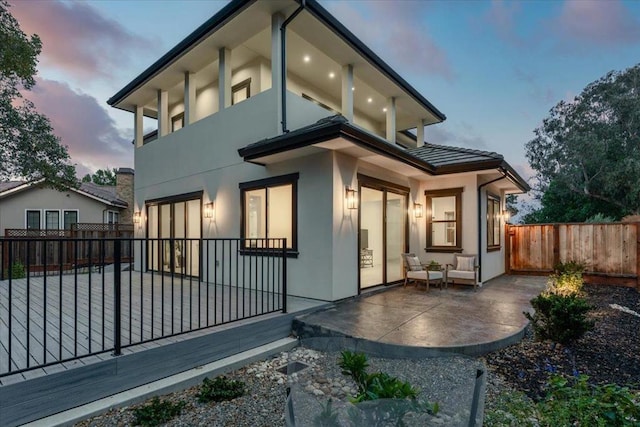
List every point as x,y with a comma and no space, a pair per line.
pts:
383,232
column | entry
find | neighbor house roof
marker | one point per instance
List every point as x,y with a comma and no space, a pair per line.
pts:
431,159
102,193
234,8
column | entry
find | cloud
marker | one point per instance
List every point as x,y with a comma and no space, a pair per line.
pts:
405,40
84,126
77,38
502,15
544,94
467,138
587,23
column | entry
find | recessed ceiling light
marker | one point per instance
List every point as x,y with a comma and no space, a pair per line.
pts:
332,75
369,100
306,58
384,110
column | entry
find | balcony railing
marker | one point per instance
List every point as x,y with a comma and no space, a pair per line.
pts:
94,296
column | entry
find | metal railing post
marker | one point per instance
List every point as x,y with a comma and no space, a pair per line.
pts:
117,290
284,276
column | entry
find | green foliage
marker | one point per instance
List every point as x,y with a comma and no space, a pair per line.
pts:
589,148
560,318
511,204
17,271
102,177
157,412
599,218
569,267
220,389
569,402
354,365
28,147
576,402
567,278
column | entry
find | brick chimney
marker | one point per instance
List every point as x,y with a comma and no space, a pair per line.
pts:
124,191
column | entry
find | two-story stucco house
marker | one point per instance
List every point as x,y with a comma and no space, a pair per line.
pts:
273,115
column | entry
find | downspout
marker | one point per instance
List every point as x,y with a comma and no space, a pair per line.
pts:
504,175
283,43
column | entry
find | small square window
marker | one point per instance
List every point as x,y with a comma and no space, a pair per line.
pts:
241,91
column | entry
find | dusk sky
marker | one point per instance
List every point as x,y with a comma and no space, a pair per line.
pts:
495,68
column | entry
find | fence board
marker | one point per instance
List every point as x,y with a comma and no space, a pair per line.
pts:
609,250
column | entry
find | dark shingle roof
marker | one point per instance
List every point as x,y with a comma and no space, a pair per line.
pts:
106,193
443,155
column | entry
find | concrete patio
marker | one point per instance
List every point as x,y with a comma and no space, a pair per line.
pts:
438,321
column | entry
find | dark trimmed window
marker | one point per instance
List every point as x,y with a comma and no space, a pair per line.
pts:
444,220
493,223
270,211
241,91
33,220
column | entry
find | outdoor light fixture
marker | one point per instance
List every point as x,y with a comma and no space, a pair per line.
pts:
352,198
136,217
506,215
208,210
417,210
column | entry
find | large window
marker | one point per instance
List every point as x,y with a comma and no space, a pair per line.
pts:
33,220
70,218
111,217
493,223
269,210
444,220
52,220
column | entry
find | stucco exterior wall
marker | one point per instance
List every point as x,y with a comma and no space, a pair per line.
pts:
493,262
13,208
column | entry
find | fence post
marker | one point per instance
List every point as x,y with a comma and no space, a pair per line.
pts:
284,276
117,290
507,249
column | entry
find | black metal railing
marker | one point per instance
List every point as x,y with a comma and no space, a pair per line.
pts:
89,296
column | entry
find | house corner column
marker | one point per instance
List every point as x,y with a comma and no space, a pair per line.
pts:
163,113
277,70
420,134
138,130
224,78
189,98
347,92
391,120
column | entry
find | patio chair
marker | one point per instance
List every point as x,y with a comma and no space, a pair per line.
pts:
464,270
416,271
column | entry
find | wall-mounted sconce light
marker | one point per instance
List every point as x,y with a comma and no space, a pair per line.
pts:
208,210
417,210
506,215
137,218
351,196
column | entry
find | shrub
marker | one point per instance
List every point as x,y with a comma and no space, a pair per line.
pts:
565,284
599,217
576,402
17,270
157,412
569,267
220,389
560,318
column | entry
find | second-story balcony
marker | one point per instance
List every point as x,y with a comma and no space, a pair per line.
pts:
235,56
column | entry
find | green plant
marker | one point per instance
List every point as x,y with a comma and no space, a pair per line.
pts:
512,408
599,217
220,389
560,318
576,402
569,267
565,284
354,365
18,271
157,412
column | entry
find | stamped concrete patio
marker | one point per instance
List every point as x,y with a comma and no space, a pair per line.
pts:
434,322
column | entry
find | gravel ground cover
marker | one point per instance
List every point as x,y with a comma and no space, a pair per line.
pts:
608,354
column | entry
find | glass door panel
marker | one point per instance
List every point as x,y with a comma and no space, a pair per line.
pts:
152,233
371,237
193,233
395,226
165,234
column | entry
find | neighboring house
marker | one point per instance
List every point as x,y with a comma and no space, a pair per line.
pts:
327,152
34,206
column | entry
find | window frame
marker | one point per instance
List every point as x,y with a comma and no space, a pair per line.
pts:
178,118
447,192
26,219
277,181
46,224
245,84
113,214
491,223
64,212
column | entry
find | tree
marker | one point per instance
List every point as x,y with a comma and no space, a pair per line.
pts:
28,147
102,177
586,153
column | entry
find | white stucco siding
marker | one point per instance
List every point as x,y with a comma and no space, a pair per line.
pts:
13,208
492,261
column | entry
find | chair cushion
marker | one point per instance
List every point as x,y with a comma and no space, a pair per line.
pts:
457,274
414,263
420,275
465,263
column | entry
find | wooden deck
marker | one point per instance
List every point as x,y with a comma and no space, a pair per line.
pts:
79,315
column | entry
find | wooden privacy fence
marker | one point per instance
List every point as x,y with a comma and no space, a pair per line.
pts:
610,251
